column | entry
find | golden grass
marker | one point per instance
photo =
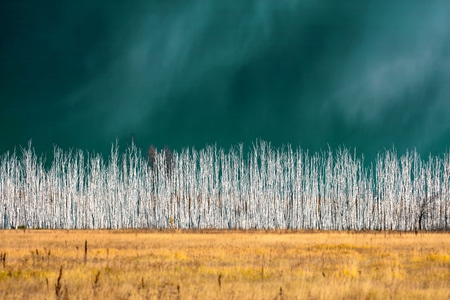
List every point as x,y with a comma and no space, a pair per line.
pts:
129,264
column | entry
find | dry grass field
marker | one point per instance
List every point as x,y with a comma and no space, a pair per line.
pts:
60,264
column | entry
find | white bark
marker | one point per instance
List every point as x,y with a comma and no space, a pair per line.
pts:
265,188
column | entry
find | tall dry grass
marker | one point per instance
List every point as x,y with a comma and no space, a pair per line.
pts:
46,264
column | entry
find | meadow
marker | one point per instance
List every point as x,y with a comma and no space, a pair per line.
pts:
214,264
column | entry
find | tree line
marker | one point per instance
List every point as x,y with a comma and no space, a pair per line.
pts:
263,188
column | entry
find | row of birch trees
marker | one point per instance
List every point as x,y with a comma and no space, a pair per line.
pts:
259,188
